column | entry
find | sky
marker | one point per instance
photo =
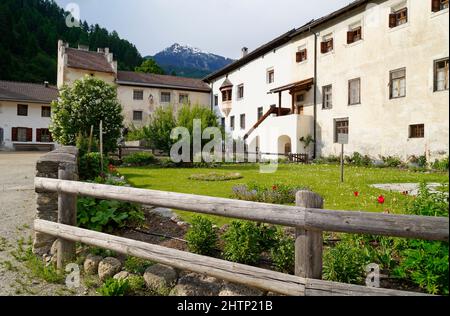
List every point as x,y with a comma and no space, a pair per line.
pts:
221,27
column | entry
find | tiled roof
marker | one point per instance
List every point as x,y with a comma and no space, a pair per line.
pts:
30,92
227,83
161,81
87,60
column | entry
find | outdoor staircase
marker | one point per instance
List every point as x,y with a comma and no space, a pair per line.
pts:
273,110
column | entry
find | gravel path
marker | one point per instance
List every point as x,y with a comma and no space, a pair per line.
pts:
17,211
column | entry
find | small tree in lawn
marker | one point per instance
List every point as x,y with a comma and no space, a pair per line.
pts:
157,133
83,105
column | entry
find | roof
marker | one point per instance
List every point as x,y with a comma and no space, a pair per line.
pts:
87,60
27,92
227,83
282,39
298,86
161,81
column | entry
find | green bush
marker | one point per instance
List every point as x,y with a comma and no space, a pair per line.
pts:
391,161
90,166
202,237
139,159
346,263
136,283
441,165
84,104
243,242
283,253
275,194
113,287
359,160
426,262
102,215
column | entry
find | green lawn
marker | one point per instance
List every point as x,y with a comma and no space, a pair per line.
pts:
323,179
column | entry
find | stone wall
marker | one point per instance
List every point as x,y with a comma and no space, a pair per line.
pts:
47,202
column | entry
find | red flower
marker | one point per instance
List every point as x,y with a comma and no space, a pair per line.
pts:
381,199
274,188
112,169
356,193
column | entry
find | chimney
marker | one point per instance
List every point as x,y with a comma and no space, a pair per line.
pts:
100,50
106,50
83,47
244,51
46,84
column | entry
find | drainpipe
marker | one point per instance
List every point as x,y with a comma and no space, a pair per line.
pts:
212,96
315,94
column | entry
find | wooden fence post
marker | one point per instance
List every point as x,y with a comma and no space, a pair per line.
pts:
308,243
67,214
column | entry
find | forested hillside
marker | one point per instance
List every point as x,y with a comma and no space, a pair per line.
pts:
30,30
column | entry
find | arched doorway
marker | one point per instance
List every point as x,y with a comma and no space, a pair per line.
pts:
284,145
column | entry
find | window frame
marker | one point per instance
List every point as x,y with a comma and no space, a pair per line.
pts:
391,85
240,91
327,44
227,95
439,5
216,100
165,93
46,108
141,113
396,13
350,103
22,107
260,112
138,95
301,55
183,95
46,136
270,75
435,75
232,122
330,86
418,129
355,29
242,122
25,130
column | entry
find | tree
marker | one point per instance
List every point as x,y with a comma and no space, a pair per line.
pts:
83,105
157,133
150,66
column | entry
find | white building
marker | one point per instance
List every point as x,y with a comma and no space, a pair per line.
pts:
25,115
374,70
139,93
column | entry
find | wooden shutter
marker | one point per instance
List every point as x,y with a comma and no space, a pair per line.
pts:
323,47
29,134
392,20
38,135
14,134
350,37
435,5
298,57
306,54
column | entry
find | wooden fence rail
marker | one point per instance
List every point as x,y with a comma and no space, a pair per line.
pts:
308,218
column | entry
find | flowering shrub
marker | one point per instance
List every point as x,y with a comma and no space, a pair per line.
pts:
275,194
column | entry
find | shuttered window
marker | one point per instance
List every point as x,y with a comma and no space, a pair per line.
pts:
398,83
441,75
22,110
438,5
354,91
301,55
22,134
354,35
417,131
327,95
398,17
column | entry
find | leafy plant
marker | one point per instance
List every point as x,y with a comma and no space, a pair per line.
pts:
307,141
90,166
243,242
283,253
137,283
441,165
139,159
136,265
391,161
114,287
202,237
84,104
359,160
158,131
103,215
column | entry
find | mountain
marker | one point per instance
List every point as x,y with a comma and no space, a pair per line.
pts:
187,61
30,32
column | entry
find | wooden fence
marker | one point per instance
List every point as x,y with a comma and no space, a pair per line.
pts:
308,217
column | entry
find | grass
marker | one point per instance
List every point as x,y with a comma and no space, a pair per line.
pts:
322,179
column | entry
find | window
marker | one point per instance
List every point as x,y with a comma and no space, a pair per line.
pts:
327,44
227,95
22,110
232,123
340,127
417,131
183,98
138,95
354,34
46,111
441,75
222,121
301,55
165,97
240,91
242,121
43,135
300,98
216,100
260,113
327,92
270,76
398,83
22,134
398,17
137,115
438,5
354,91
